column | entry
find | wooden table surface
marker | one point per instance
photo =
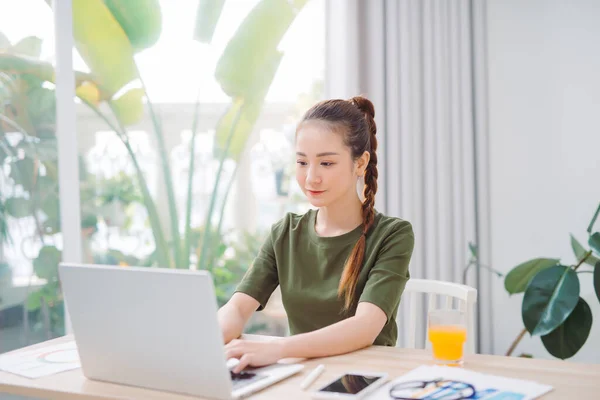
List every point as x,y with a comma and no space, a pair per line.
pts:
571,381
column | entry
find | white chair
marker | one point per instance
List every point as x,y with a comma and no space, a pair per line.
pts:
466,295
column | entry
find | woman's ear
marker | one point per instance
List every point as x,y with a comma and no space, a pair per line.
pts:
362,162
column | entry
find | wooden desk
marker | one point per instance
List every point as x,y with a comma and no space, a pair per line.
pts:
570,380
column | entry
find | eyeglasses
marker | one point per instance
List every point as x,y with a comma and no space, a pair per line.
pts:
438,389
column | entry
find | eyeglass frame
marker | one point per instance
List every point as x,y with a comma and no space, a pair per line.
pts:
424,384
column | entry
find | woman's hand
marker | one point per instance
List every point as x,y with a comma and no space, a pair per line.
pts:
252,353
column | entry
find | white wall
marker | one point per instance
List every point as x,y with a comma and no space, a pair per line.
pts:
544,110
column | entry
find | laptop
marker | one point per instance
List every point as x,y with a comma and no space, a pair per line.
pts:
155,328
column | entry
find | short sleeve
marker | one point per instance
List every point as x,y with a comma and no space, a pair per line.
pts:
261,279
388,276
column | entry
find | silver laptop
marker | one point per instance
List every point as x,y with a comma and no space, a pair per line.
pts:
155,328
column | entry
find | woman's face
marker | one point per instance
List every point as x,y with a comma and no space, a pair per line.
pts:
325,170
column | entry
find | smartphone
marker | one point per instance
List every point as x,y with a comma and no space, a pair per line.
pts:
351,386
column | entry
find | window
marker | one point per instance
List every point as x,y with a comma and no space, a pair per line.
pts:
141,90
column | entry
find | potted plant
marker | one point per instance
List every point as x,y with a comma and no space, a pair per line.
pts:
552,307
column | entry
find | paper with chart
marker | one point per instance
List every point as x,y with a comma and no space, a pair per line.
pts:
40,362
440,383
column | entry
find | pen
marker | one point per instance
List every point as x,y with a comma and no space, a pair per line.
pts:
312,376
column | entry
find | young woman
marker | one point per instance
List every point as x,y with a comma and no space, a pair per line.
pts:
342,267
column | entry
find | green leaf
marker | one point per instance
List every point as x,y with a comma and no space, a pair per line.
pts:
21,172
594,242
18,207
569,337
51,207
597,280
34,300
250,111
518,278
46,263
103,45
30,46
207,16
253,46
580,252
140,19
593,221
41,106
550,297
473,249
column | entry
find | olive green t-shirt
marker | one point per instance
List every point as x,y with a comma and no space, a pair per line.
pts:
308,268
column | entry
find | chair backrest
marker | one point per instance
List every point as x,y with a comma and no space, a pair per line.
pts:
466,296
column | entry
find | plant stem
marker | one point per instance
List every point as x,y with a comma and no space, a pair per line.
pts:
207,224
225,196
464,279
473,262
591,225
188,209
515,342
159,239
166,169
585,257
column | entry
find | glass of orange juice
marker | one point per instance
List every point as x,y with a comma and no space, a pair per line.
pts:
447,333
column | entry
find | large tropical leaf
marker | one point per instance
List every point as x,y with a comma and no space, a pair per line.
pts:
103,44
566,340
550,297
130,106
518,278
140,19
250,110
207,16
580,252
107,51
253,46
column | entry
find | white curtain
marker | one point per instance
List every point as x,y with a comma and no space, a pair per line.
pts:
422,63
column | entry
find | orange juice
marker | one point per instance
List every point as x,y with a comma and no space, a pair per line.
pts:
447,341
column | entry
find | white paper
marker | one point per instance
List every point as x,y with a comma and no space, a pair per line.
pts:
488,387
44,361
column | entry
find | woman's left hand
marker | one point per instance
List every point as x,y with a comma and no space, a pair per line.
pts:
252,353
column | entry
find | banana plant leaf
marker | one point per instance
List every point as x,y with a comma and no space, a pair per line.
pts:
207,16
108,52
140,19
250,111
250,51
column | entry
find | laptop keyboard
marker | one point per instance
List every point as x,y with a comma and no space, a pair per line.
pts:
242,379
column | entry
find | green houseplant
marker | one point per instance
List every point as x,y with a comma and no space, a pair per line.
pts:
552,307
